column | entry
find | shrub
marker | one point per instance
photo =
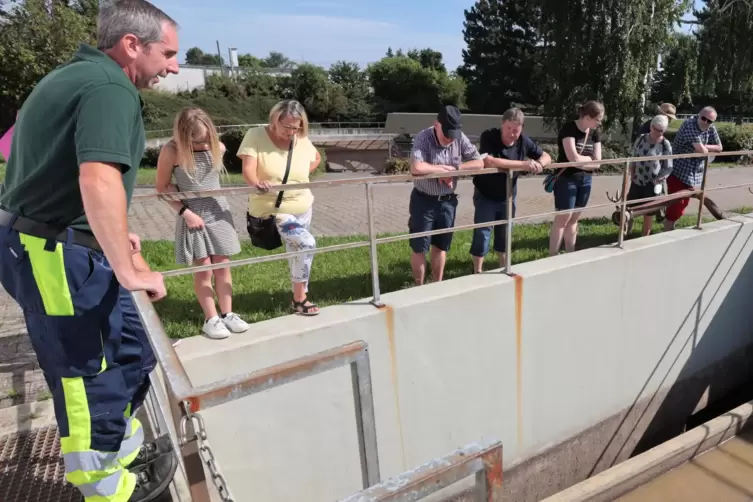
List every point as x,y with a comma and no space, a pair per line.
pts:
150,157
232,140
396,165
735,138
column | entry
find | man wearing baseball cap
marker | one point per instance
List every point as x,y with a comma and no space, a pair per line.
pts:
441,148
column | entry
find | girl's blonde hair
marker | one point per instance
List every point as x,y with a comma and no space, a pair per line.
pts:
190,126
290,108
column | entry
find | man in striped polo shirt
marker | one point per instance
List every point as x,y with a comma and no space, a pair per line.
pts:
433,202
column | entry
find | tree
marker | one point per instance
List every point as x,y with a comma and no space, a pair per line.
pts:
355,85
249,61
401,84
725,50
428,58
196,56
36,36
603,50
501,59
310,85
676,81
278,60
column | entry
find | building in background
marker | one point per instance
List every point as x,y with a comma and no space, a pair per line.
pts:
193,77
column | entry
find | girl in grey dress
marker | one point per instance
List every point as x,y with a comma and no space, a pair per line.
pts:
204,230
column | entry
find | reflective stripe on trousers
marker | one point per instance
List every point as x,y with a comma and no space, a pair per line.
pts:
94,354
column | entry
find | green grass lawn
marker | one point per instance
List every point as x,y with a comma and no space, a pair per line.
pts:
262,291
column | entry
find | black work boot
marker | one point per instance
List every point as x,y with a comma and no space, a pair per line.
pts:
154,477
151,451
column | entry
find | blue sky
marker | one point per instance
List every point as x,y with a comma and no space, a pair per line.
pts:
322,31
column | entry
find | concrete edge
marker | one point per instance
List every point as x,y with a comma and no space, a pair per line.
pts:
625,476
290,325
590,255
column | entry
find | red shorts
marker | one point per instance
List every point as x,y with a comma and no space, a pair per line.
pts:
676,209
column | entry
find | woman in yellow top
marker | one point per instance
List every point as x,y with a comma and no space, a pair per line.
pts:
264,152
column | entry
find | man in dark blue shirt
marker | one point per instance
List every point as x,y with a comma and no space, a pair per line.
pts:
505,148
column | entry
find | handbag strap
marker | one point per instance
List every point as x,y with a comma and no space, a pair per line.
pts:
287,173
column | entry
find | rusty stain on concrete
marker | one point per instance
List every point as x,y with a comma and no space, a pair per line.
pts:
519,355
390,320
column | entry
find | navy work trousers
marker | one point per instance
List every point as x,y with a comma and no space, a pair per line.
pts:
93,351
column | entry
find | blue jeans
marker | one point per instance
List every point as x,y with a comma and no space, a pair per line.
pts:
572,191
490,210
427,213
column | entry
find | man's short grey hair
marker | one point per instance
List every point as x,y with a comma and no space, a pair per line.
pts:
661,122
140,18
514,115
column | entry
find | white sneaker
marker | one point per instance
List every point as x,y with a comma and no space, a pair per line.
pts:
215,328
234,323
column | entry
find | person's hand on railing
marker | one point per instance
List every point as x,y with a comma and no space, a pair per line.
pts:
447,181
262,185
534,167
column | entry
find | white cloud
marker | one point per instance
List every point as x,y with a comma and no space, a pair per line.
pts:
319,39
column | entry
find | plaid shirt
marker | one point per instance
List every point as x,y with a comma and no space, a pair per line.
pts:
690,171
427,149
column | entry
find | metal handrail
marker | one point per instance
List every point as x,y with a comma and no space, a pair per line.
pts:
312,125
404,178
482,459
373,240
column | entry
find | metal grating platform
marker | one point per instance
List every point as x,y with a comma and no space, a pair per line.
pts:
31,468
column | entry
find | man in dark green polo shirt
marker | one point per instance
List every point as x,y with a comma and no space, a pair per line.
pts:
68,260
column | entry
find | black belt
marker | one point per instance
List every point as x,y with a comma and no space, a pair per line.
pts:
47,231
448,196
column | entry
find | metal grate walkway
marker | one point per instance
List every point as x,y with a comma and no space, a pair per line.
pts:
31,468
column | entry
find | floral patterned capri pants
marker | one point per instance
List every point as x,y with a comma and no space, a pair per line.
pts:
294,232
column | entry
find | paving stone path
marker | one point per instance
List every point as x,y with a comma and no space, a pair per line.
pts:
337,211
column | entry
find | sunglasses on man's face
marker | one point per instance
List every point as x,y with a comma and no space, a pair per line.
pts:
707,120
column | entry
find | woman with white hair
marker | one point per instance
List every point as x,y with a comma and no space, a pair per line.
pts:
647,177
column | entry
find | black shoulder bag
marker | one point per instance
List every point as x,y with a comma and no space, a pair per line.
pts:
263,231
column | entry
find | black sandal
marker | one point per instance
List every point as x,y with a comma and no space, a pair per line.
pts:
301,308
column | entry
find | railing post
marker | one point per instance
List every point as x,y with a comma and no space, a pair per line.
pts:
623,205
508,227
702,197
363,398
376,301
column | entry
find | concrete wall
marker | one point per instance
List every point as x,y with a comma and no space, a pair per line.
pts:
575,363
348,160
474,125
